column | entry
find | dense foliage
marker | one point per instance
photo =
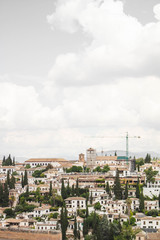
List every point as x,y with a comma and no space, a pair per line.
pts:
8,161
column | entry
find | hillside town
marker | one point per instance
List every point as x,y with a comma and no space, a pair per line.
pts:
93,197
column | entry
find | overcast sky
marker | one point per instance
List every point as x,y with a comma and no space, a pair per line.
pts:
76,68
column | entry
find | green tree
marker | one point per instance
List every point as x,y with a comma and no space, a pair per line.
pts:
86,210
107,188
150,174
1,194
127,233
12,182
50,189
64,222
97,206
28,166
22,181
3,162
68,190
97,169
91,198
6,195
63,190
85,227
9,213
141,202
147,158
117,187
126,191
106,168
128,201
72,190
77,187
75,229
13,163
137,189
8,177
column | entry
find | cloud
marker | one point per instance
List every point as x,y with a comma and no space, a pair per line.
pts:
120,46
156,11
108,88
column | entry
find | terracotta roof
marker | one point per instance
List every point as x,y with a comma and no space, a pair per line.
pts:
46,160
75,198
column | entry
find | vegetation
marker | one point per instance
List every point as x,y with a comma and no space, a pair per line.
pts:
73,191
126,191
117,187
141,202
147,158
8,161
4,195
9,213
39,173
97,206
137,189
104,169
150,175
101,228
64,222
74,169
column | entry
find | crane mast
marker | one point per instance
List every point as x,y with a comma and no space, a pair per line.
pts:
127,142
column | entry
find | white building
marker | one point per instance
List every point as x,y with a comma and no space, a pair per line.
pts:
150,222
75,203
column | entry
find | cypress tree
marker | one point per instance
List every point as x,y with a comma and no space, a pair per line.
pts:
147,158
1,194
117,187
159,199
137,189
141,202
27,191
73,190
126,191
8,177
13,161
6,196
12,182
64,222
107,188
75,229
25,180
68,189
91,198
63,190
22,181
77,188
4,161
50,189
86,210
85,227
9,161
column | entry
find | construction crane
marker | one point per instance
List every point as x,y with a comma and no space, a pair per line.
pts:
127,137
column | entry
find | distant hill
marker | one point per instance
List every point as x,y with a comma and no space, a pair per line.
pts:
132,154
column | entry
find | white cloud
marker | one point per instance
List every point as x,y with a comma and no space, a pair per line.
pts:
120,46
109,88
156,11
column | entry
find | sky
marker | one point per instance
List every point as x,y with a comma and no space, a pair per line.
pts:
73,69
